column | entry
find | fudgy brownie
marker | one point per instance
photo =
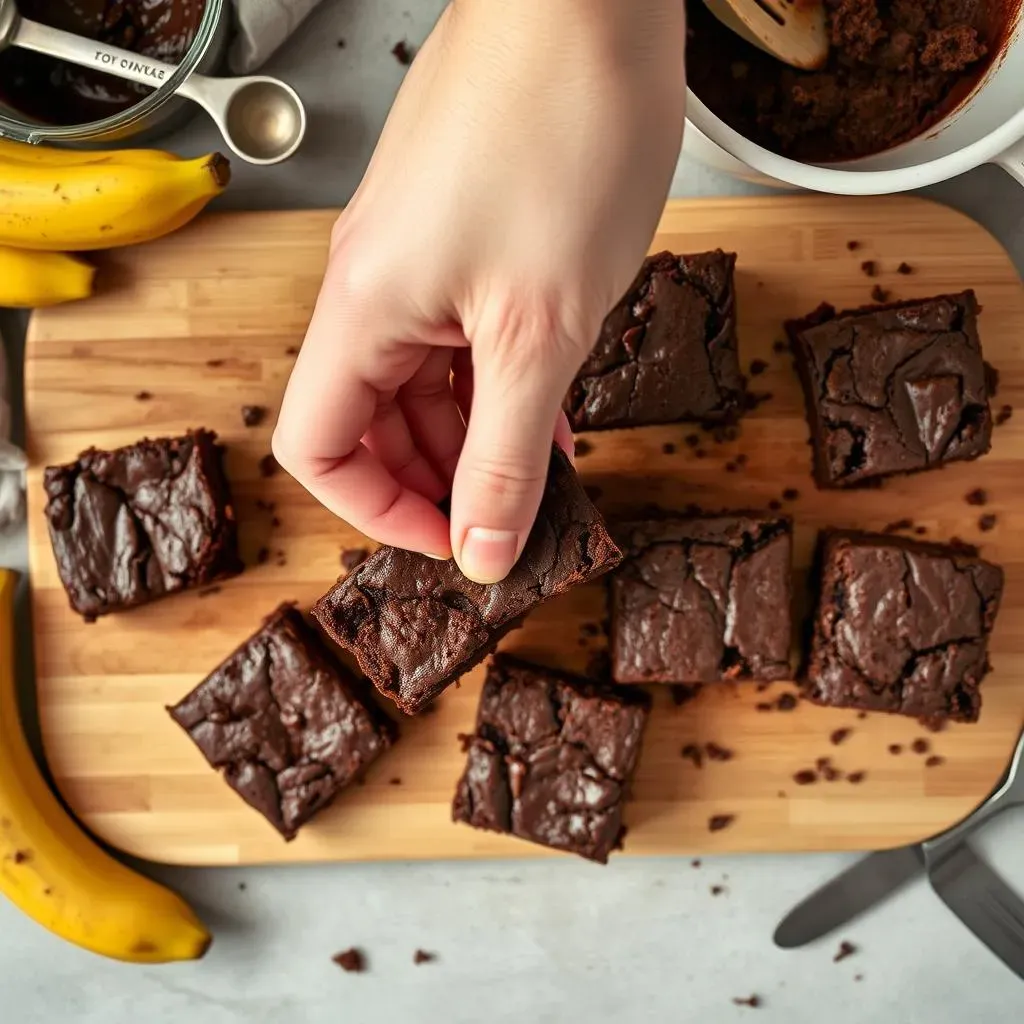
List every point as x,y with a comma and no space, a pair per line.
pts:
133,524
667,351
893,389
289,725
416,624
902,626
702,598
552,758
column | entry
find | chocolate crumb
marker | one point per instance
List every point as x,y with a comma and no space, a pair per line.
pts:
870,267
786,702
353,557
262,555
920,746
351,960
1004,415
905,268
668,448
805,777
143,396
987,522
790,494
934,724
979,496
775,505
831,774
716,752
852,245
695,863
858,977
253,415
757,367
402,52
856,777
895,748
692,440
779,346
839,736
21,856
764,707
717,890
395,781
692,752
341,44
845,949
292,350
920,530
741,459
682,693
268,466
862,714
242,886
215,363
752,1001
934,761
717,822
899,524
465,740
421,956
583,447
880,294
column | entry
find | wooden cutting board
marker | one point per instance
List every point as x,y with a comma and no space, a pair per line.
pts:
207,321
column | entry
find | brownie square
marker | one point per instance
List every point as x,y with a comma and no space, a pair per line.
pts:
134,524
416,624
667,352
290,727
893,389
552,758
902,626
702,598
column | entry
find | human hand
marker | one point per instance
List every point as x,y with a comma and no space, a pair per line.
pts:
512,196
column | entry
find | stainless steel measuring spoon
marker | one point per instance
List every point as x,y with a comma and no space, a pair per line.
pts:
262,119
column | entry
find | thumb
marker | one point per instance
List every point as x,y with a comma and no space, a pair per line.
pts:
504,463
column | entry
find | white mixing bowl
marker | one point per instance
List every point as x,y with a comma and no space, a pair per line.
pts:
988,128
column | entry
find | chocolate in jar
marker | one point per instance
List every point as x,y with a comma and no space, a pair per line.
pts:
54,92
895,69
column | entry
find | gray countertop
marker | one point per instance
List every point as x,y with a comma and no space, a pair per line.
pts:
552,941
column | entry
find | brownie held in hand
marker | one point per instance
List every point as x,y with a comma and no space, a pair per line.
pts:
133,524
551,758
893,389
667,352
902,626
416,624
289,726
702,598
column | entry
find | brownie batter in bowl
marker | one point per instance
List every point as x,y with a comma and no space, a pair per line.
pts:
54,92
895,69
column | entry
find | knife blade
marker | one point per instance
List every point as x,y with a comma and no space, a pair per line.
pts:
982,900
849,894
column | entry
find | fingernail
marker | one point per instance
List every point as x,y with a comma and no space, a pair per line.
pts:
488,555
437,558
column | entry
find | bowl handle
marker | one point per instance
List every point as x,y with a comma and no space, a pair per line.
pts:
1012,161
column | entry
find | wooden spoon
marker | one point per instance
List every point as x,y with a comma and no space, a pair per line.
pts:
794,31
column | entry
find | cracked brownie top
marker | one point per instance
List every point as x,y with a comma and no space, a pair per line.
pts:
702,598
902,626
551,758
416,624
667,351
290,727
893,389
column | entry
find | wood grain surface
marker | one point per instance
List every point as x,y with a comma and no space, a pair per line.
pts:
209,320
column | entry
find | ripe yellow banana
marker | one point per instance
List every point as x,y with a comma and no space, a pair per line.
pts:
34,279
103,205
23,153
56,874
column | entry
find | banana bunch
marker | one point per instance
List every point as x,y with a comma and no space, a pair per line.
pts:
57,201
56,874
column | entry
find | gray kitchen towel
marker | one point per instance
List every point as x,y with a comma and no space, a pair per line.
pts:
263,25
12,460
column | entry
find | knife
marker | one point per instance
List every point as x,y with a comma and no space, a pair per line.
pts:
871,880
981,899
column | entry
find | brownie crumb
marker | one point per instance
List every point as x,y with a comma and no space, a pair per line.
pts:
351,960
790,494
852,245
987,522
839,736
870,267
905,269
775,505
717,822
1004,414
465,740
421,956
787,702
582,447
830,773
805,777
214,363
262,556
764,707
253,415
692,752
934,761
899,524
341,44
862,714
21,856
895,749
846,949
880,294
752,1001
353,557
979,496
668,448
402,52
268,466
682,693
292,350
856,777
920,531
920,746
695,863
718,753
934,724
394,781
143,396
692,440
717,890
757,367
858,977
779,346
242,886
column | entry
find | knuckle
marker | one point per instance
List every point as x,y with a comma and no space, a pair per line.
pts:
504,475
